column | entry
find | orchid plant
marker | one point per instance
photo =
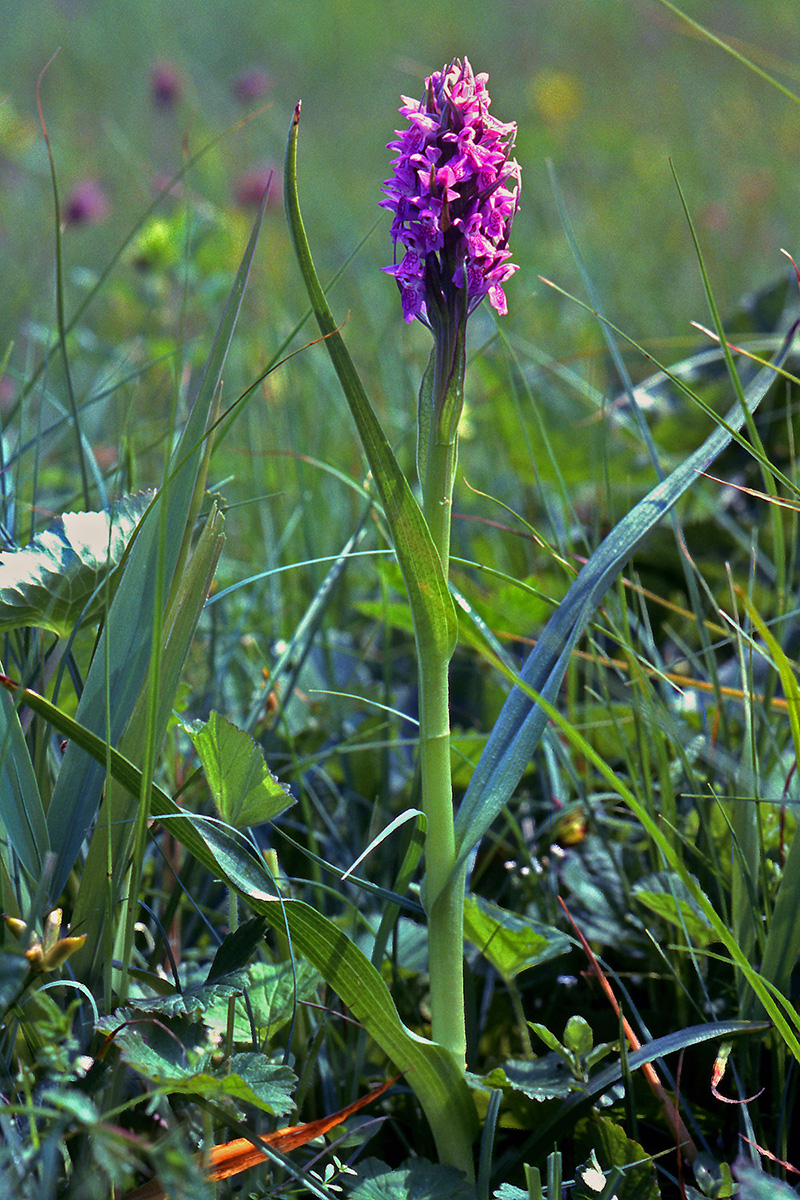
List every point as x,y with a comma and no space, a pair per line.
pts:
453,196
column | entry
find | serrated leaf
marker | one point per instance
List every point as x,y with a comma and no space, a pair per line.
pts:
509,942
614,1148
195,1000
244,789
50,582
177,1057
666,895
417,1179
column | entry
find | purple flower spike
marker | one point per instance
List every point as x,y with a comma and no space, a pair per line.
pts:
453,197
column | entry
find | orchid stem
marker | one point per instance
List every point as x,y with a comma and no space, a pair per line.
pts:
444,889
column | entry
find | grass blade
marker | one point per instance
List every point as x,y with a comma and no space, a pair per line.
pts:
521,721
431,604
122,658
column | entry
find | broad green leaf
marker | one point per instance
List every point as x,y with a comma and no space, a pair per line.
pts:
23,824
178,1059
431,605
196,999
244,789
614,1148
755,1184
417,1179
522,719
666,895
578,1036
509,942
545,1078
714,1177
273,989
59,576
122,658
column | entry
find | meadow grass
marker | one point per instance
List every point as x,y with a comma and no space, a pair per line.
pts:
248,966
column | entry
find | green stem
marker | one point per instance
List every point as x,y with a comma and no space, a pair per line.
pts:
444,891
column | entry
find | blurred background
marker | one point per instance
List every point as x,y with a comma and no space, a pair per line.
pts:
610,91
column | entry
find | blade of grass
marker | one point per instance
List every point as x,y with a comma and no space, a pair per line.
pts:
121,660
432,607
520,724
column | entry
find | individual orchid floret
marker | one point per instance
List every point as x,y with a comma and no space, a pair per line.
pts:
453,196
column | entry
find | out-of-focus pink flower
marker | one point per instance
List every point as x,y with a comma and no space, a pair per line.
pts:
453,195
86,204
166,86
251,85
250,188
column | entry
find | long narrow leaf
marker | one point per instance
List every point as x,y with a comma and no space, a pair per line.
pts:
109,851
431,605
120,663
783,933
23,825
521,721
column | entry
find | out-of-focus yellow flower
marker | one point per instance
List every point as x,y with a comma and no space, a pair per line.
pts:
556,96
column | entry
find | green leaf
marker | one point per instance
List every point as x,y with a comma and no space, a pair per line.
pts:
545,1078
22,818
59,576
578,1036
666,895
195,1000
178,1058
244,789
273,989
417,1179
783,934
754,1184
510,943
614,1148
433,1073
122,658
432,607
237,948
13,971
554,1126
105,869
523,719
